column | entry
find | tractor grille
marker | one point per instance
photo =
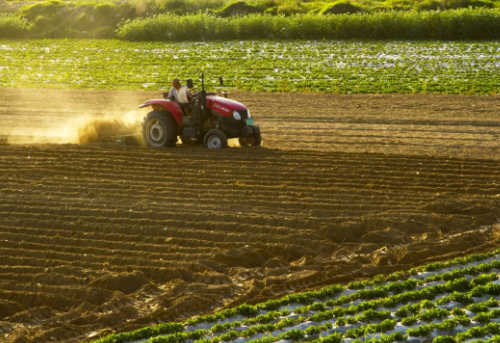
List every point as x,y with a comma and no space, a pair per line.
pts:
244,114
229,123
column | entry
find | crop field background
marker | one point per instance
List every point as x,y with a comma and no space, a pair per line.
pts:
331,66
99,237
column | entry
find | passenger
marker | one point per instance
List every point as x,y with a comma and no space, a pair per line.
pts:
181,95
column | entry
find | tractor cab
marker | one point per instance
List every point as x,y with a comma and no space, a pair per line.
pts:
212,120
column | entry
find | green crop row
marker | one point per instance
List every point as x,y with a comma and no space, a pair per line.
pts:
494,339
428,293
471,270
296,334
367,310
329,66
429,314
457,261
271,305
425,311
393,337
454,274
426,329
384,326
161,329
480,331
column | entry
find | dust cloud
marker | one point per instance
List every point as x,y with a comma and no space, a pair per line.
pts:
30,116
109,128
81,130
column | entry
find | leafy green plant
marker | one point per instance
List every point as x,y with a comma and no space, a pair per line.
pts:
293,335
482,318
444,339
433,314
408,321
341,321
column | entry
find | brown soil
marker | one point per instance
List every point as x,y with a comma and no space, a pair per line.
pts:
102,237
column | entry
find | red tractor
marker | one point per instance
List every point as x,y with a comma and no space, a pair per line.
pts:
212,120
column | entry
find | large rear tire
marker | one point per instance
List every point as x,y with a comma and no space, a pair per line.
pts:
215,139
251,141
159,130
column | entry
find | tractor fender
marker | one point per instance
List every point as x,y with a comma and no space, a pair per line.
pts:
170,106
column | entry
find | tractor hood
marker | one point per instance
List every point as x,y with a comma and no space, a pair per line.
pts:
223,105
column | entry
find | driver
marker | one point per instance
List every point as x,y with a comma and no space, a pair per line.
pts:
181,95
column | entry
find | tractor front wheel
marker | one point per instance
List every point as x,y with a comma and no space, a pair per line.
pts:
159,130
215,139
251,141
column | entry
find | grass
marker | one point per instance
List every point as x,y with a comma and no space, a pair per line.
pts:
308,66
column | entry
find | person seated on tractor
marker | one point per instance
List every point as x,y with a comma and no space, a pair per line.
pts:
181,95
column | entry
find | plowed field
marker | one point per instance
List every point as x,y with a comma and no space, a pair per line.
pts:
99,237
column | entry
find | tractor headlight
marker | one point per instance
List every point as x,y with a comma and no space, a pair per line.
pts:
236,115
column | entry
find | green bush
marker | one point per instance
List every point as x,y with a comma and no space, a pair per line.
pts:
455,4
104,11
450,25
175,5
239,8
47,25
12,27
44,9
290,7
104,32
341,7
428,5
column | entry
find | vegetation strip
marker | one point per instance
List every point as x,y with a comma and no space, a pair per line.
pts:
326,66
457,20
427,309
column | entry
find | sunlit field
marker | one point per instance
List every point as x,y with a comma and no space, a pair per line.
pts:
332,66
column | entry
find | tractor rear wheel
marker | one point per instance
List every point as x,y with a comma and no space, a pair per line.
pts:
159,130
215,139
251,141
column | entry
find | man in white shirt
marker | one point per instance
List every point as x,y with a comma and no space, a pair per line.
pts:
180,94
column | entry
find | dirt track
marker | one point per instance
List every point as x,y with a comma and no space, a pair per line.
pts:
102,237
